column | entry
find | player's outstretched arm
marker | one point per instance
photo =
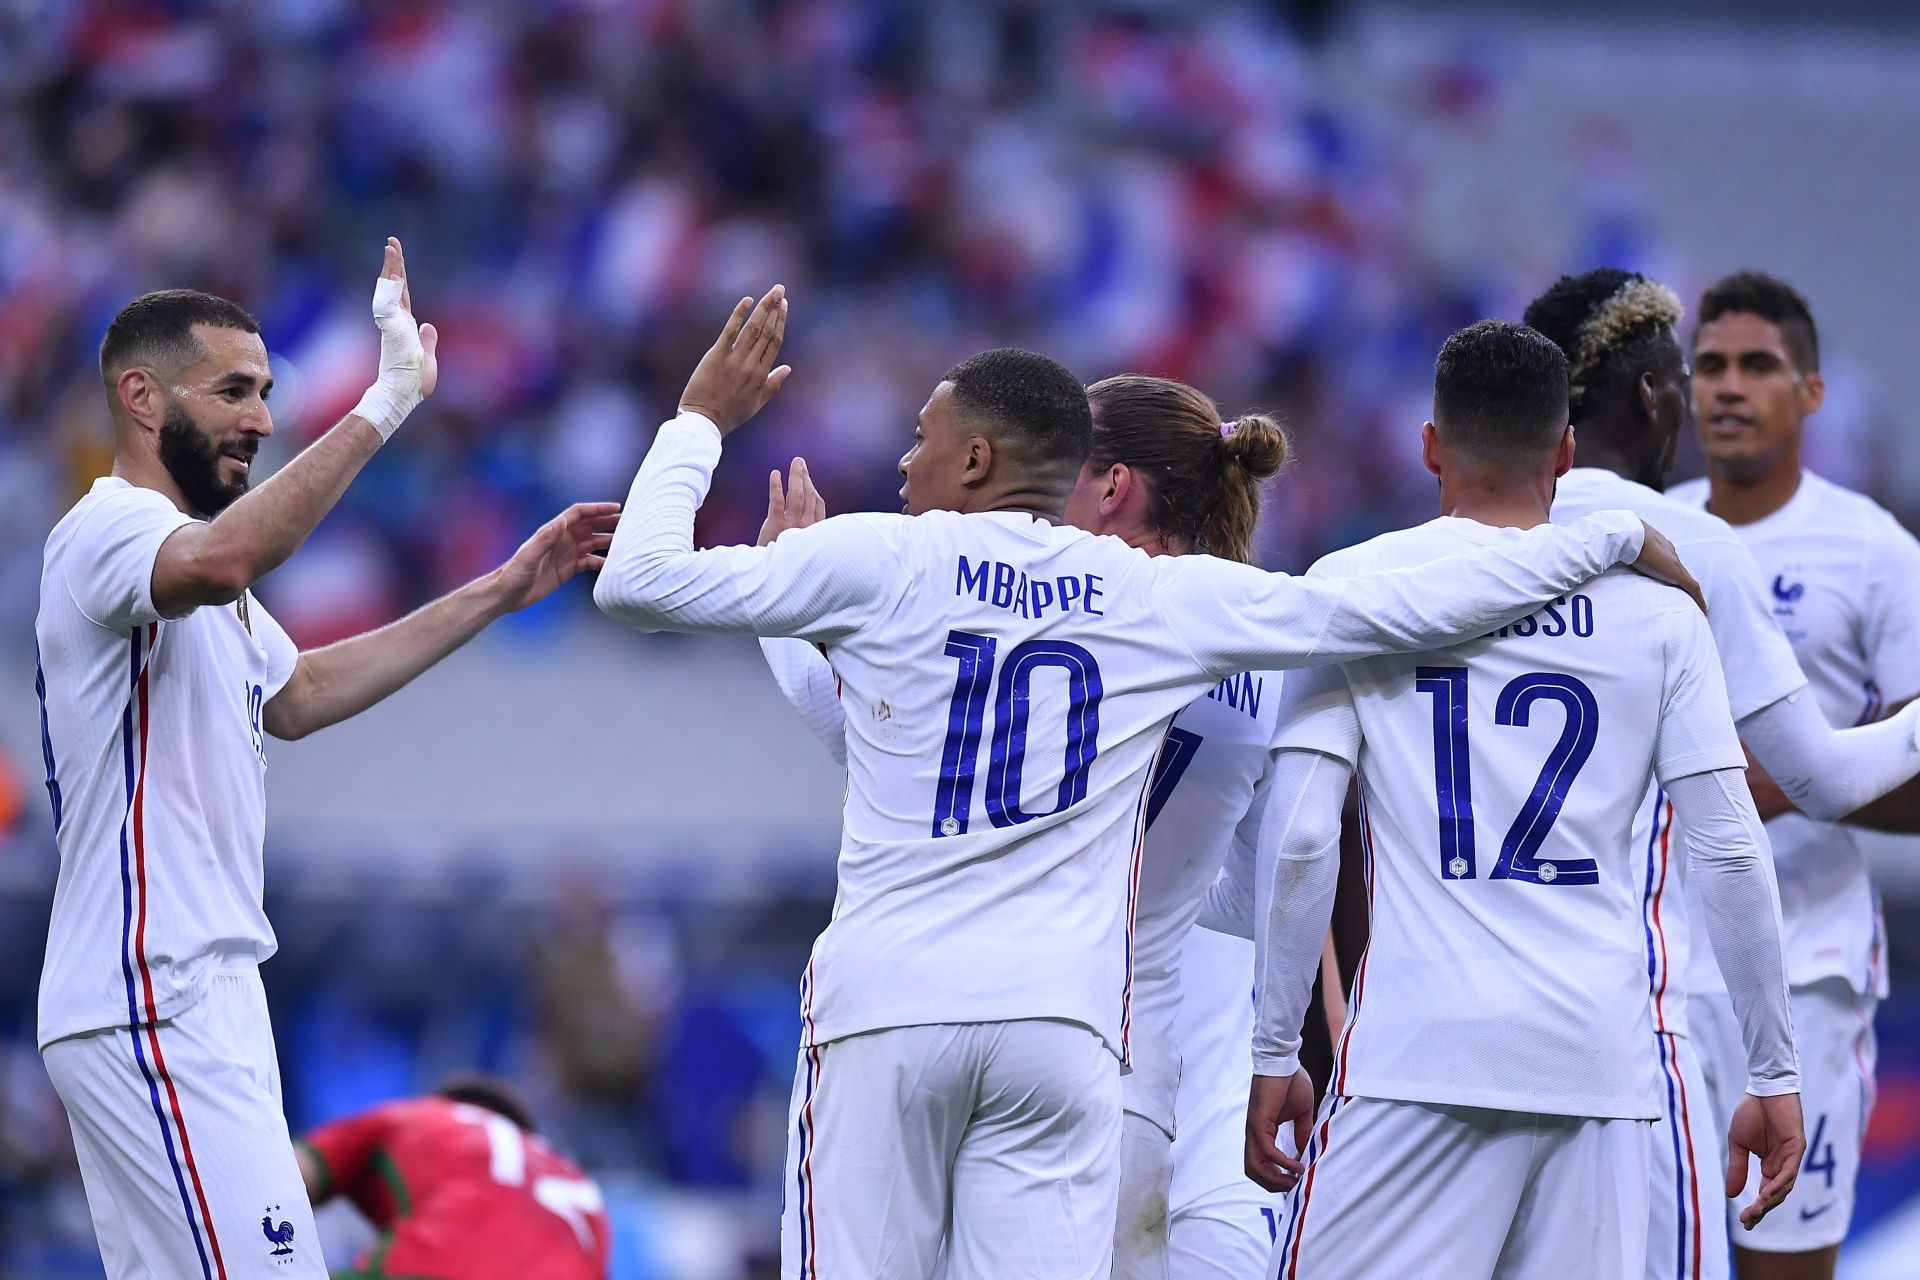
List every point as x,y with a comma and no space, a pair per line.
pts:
1254,620
1829,773
214,562
1297,870
821,582
342,680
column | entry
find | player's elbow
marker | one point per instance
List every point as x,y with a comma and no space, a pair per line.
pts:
629,593
1821,803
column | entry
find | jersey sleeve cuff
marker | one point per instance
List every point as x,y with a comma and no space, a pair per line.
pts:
1774,1087
1278,1065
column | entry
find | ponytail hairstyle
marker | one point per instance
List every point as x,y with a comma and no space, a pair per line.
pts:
1203,475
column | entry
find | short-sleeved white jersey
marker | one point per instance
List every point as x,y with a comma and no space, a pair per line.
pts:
1840,575
1500,780
156,766
1007,685
1759,669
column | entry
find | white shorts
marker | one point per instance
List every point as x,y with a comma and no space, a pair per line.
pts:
1003,1138
183,1148
1833,1030
1146,1180
1422,1192
1687,1229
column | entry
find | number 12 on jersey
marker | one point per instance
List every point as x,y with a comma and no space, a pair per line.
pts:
966,722
1453,773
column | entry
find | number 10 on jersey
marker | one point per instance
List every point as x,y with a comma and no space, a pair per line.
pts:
966,722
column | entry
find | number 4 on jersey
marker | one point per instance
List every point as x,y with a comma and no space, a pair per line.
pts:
1453,773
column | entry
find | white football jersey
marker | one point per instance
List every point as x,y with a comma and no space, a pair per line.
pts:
156,767
1840,574
1500,780
1205,798
1759,669
1007,686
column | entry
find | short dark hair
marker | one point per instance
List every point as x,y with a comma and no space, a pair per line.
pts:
158,328
1500,391
1032,398
1770,298
1613,326
489,1094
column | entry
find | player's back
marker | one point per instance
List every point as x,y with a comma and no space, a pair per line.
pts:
1002,719
1500,781
466,1194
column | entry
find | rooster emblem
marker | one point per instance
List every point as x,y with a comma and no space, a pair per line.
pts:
281,1237
1787,594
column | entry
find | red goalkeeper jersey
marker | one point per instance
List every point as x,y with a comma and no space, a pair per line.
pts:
460,1193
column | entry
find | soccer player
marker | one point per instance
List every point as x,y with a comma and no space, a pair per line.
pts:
1629,404
1492,1098
1166,476
1840,575
461,1188
1009,681
160,678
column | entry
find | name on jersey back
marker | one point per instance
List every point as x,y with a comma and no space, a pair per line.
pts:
1005,587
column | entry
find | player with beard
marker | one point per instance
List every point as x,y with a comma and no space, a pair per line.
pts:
160,677
1630,402
1840,572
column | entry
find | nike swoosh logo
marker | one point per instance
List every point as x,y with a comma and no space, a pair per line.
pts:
1808,1215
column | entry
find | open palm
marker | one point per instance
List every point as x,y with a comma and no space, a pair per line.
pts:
575,539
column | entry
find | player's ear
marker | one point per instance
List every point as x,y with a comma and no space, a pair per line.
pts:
1649,397
1114,488
977,463
1813,393
140,397
1430,448
1563,457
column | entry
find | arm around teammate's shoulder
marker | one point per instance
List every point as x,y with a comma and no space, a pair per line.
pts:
1255,619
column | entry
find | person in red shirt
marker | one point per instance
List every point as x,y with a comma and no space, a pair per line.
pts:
460,1188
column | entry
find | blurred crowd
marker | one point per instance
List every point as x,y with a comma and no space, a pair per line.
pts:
584,186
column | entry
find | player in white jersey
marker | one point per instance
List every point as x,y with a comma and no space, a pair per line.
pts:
1630,404
1009,682
1495,1045
1840,575
159,678
1168,477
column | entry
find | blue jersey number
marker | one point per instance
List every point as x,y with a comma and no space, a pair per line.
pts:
1175,756
966,721
1816,1162
1453,773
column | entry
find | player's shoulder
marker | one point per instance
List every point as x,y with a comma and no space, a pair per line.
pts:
108,495
1840,506
1684,519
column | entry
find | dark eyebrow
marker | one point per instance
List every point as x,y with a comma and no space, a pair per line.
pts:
240,379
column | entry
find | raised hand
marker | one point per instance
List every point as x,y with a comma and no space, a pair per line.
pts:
795,507
409,367
574,540
736,377
1772,1129
1660,561
1272,1102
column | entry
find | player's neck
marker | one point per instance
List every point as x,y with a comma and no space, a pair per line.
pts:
1593,449
1040,503
1742,494
149,473
1500,501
